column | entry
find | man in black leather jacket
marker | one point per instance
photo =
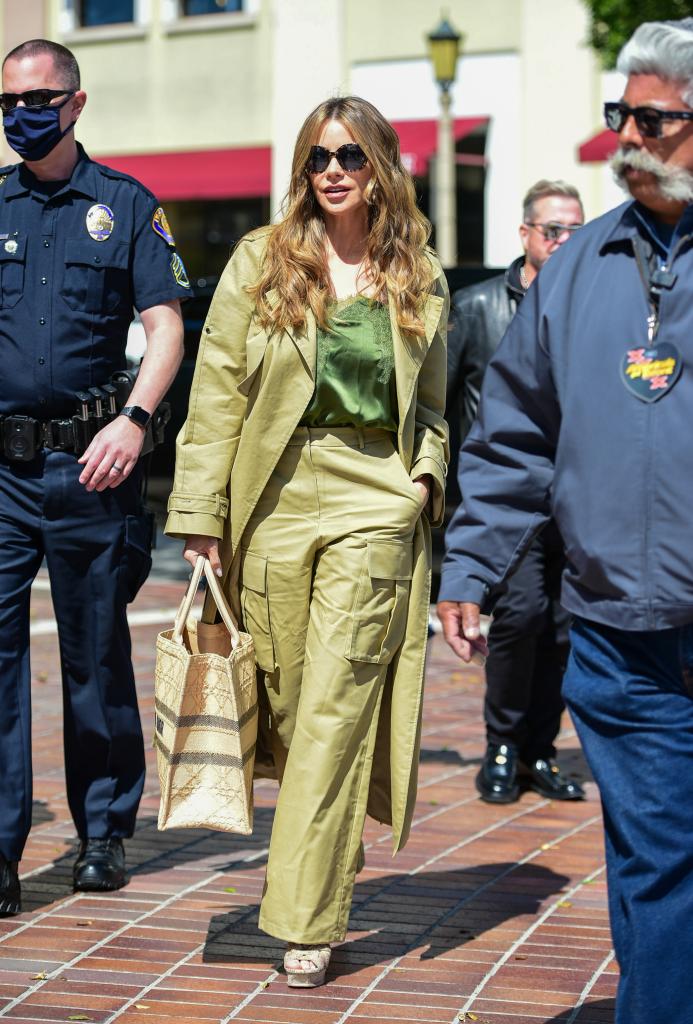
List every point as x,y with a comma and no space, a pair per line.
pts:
528,641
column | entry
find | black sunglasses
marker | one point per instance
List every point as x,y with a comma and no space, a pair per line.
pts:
648,119
32,98
350,157
552,232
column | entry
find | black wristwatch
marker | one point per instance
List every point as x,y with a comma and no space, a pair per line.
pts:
137,414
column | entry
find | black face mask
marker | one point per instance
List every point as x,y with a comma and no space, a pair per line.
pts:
33,132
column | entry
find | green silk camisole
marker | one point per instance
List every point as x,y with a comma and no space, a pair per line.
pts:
355,378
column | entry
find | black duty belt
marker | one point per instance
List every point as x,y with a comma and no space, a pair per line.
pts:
22,437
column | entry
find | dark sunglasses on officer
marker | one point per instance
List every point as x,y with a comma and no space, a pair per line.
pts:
34,98
350,157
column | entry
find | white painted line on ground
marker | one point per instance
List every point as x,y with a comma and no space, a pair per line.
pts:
133,923
589,986
146,617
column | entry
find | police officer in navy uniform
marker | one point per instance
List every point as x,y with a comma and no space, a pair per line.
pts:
80,246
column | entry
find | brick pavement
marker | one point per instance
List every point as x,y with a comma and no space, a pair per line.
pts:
491,913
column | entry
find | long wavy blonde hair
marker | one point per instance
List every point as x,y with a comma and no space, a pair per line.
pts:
396,261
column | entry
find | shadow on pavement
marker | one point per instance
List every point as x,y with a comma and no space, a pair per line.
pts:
592,1011
432,911
40,813
150,851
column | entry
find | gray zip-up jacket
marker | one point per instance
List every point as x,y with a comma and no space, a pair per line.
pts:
562,432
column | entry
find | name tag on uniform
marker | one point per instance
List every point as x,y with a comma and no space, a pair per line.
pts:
651,371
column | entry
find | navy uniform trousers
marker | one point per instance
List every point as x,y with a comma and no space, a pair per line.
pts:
528,650
97,548
630,695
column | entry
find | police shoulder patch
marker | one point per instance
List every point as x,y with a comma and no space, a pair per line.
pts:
178,271
3,179
162,226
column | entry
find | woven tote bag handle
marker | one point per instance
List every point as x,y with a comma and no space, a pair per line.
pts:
202,566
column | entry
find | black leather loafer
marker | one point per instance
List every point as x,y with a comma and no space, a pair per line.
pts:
546,778
100,866
496,780
10,891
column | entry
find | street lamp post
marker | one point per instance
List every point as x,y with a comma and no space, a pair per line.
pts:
444,48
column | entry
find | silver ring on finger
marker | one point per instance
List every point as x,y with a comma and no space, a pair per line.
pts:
117,468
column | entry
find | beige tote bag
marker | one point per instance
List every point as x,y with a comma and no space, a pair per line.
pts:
206,717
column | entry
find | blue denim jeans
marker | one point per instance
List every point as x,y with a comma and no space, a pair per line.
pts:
631,698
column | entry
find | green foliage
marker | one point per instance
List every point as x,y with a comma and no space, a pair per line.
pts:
614,21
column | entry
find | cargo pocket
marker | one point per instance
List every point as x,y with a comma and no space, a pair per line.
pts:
137,553
12,255
255,608
96,275
379,615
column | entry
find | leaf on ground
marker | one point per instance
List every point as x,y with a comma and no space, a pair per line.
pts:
433,803
79,1016
84,924
264,984
41,976
229,888
565,903
141,1006
521,956
41,677
588,881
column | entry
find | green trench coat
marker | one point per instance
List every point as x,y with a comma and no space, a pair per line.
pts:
249,392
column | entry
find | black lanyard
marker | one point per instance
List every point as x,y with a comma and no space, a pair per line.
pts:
654,279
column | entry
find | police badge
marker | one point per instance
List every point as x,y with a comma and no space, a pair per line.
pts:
100,222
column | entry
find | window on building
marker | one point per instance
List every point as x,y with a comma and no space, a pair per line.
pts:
192,7
105,12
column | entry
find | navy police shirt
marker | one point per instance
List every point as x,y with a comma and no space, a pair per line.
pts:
75,258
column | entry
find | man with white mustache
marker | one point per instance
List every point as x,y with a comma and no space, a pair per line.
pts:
585,416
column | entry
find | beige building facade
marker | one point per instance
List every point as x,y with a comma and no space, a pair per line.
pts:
201,99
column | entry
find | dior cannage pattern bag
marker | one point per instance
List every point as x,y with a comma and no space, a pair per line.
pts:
206,718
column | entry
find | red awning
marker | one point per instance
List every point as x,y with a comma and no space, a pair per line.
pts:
599,148
419,140
201,174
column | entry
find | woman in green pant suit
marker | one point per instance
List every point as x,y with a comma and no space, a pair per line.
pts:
309,470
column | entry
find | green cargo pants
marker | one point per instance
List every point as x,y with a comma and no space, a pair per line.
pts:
326,568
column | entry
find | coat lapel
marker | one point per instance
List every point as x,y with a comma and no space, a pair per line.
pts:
410,353
305,341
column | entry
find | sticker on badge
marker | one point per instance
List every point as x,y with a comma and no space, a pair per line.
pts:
162,227
651,371
100,222
178,271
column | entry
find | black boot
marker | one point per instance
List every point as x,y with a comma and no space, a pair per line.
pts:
100,865
496,780
10,891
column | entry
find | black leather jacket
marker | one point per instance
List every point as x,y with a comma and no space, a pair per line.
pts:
479,317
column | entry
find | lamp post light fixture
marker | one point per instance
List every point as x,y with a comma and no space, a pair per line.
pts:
444,49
